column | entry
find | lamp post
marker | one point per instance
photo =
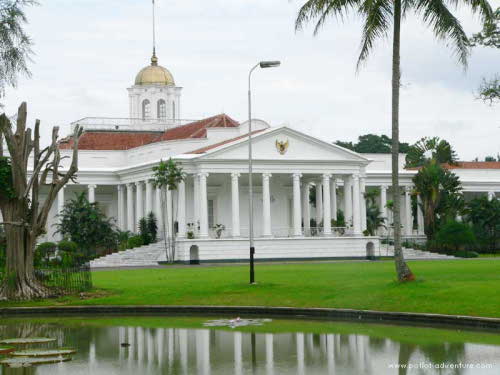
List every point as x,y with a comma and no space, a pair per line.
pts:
262,65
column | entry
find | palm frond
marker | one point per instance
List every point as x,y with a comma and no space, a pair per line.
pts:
445,26
321,10
378,15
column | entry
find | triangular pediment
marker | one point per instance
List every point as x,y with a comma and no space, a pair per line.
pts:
282,144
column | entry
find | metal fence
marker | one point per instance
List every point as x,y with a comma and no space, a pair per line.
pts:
66,279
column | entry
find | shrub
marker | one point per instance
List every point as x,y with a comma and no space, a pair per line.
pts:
67,246
152,227
44,251
134,241
454,235
143,231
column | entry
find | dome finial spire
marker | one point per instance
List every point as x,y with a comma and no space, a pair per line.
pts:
154,59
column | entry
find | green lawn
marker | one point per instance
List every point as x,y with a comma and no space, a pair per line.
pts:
462,287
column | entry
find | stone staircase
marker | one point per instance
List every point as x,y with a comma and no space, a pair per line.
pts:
413,254
148,255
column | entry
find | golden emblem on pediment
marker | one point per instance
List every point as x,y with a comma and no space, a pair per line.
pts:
282,146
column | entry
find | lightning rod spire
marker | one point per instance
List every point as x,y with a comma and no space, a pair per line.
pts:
154,59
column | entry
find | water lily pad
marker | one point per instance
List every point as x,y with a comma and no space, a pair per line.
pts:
237,322
27,362
6,349
43,352
27,341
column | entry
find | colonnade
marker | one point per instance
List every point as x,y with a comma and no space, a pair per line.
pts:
136,200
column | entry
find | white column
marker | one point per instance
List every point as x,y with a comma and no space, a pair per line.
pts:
319,203
60,200
269,354
139,210
196,200
91,189
300,354
348,200
130,208
121,207
383,205
238,357
60,206
491,195
149,197
356,211
235,204
333,198
420,217
169,213
181,208
409,218
203,205
362,188
159,211
327,217
306,206
297,216
266,206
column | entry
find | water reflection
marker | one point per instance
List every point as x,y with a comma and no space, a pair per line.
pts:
101,350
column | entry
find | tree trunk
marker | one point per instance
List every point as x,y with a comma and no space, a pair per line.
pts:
20,281
403,271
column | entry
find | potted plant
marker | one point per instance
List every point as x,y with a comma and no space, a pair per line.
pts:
190,231
219,228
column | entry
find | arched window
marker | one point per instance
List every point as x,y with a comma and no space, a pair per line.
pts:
146,109
173,110
161,109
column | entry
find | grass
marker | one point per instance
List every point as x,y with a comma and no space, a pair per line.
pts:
460,287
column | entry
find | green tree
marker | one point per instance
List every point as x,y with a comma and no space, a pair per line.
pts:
454,235
484,215
15,44
167,177
489,90
85,224
143,231
374,144
438,187
24,212
152,226
427,149
439,190
374,218
378,16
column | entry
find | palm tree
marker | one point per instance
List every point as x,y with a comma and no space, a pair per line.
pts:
439,188
378,16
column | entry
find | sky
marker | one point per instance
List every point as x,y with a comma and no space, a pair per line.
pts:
87,52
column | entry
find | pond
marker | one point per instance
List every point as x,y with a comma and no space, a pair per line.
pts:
194,345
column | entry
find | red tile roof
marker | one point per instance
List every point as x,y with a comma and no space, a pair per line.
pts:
110,140
198,129
215,145
474,165
116,140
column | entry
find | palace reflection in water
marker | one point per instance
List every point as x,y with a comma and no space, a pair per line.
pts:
208,351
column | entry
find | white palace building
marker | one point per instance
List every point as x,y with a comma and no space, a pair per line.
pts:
115,169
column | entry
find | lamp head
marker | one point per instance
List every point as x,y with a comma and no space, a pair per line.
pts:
269,64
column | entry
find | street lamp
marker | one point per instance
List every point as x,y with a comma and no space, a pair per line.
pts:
262,65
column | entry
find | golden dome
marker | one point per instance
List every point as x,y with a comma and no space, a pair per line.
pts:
154,74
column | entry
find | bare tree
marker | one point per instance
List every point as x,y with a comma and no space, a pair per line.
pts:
24,215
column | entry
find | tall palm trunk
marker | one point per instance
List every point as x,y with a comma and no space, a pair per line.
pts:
403,271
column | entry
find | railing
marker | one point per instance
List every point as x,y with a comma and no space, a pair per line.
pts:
66,279
277,232
128,124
